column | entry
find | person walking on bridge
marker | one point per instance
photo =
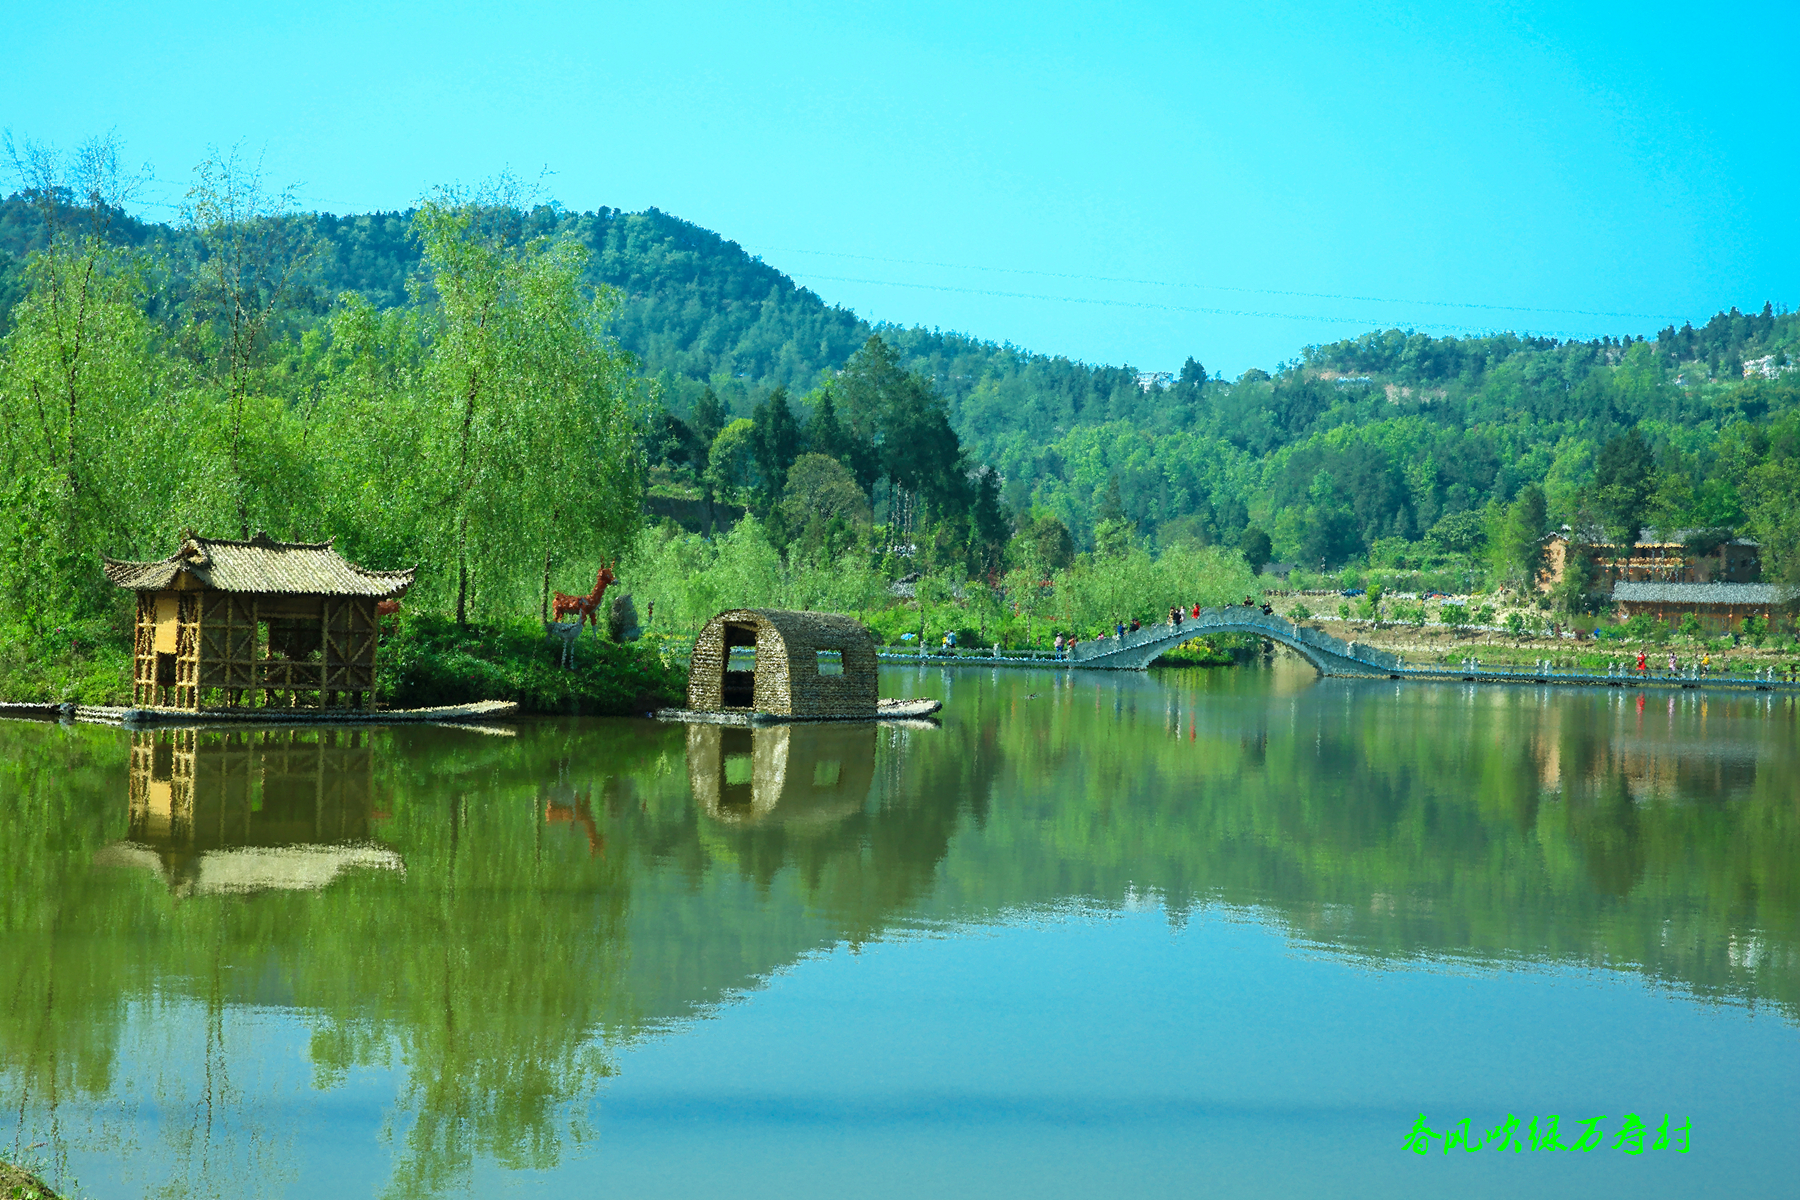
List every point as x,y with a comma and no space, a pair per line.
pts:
1643,663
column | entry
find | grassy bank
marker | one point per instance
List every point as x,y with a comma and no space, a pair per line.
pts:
16,1183
85,661
425,660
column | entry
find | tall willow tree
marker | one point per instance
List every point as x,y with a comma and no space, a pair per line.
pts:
248,252
364,428
77,374
529,437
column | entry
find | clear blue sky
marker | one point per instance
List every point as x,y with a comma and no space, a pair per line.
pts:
1120,183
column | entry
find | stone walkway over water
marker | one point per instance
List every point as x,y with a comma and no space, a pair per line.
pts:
1330,655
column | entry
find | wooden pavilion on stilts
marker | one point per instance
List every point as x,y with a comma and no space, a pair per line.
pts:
260,623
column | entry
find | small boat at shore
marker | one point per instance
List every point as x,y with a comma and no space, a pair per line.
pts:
909,711
483,710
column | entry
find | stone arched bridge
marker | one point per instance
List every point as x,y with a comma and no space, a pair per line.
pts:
1332,656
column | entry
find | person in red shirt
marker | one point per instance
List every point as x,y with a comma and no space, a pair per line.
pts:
1643,665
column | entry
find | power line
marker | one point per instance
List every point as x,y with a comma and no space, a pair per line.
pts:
1203,311
1220,287
1217,312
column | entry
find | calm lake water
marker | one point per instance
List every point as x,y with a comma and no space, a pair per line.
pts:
1218,933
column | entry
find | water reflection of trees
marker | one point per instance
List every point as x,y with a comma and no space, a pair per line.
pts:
486,967
1408,822
570,889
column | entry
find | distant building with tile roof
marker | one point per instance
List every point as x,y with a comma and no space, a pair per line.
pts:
1720,607
1656,557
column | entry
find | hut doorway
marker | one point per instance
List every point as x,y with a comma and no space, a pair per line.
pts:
738,688
737,771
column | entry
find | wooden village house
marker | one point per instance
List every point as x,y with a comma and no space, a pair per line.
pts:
1653,558
1719,607
236,624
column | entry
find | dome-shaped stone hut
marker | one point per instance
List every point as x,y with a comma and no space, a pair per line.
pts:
783,663
806,777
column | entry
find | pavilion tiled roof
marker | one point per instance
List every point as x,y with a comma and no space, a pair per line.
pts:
260,565
1752,595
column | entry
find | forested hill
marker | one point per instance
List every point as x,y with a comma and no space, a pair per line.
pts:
698,310
1360,449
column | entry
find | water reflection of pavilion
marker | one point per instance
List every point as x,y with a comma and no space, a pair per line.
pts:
797,775
248,810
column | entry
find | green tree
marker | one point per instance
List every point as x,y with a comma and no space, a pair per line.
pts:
1672,494
776,442
1256,546
80,431
1624,479
1770,489
1519,545
823,507
905,422
533,443
706,420
989,524
1114,532
1042,544
708,417
732,458
1574,594
249,250
866,389
825,434
1458,534
920,451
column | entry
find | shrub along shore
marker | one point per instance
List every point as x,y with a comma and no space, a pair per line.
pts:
426,660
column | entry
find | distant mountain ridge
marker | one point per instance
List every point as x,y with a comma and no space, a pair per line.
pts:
1367,440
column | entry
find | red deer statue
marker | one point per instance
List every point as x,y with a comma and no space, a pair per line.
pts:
585,608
